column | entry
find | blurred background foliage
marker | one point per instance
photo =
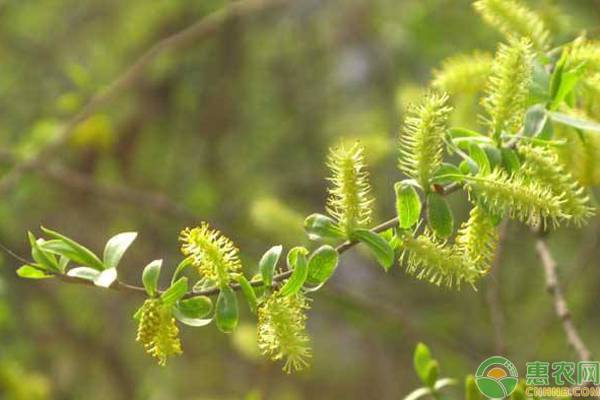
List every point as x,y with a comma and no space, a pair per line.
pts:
234,130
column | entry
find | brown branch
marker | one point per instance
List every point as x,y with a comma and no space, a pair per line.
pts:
119,193
85,183
198,31
125,287
560,304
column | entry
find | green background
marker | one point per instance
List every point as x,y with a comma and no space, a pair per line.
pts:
234,130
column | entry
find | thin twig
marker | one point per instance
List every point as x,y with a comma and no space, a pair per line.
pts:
202,29
119,193
560,304
125,287
85,183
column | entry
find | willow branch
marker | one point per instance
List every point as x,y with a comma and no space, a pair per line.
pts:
341,248
560,304
125,287
198,31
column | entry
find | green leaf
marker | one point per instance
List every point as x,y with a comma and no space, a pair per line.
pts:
268,263
480,158
186,262
535,120
540,83
227,312
421,360
439,215
86,273
62,263
408,205
73,250
466,167
381,249
447,173
175,292
555,79
116,247
296,260
195,322
463,132
433,370
32,272
471,390
574,122
195,307
106,277
567,82
322,264
45,259
493,155
249,292
150,277
319,226
511,161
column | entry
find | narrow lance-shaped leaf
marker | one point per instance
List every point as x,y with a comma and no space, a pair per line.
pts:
480,157
439,215
185,263
106,277
510,160
175,292
319,226
86,273
322,264
408,205
433,370
192,311
42,257
268,263
574,122
421,360
227,312
31,272
150,277
249,292
297,261
77,253
116,247
381,249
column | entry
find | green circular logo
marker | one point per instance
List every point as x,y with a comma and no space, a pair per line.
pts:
497,377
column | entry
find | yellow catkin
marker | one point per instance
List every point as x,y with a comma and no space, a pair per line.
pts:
512,18
349,201
282,330
214,255
477,239
463,74
507,90
422,141
157,331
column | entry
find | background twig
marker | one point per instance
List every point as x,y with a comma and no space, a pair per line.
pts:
560,304
192,34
